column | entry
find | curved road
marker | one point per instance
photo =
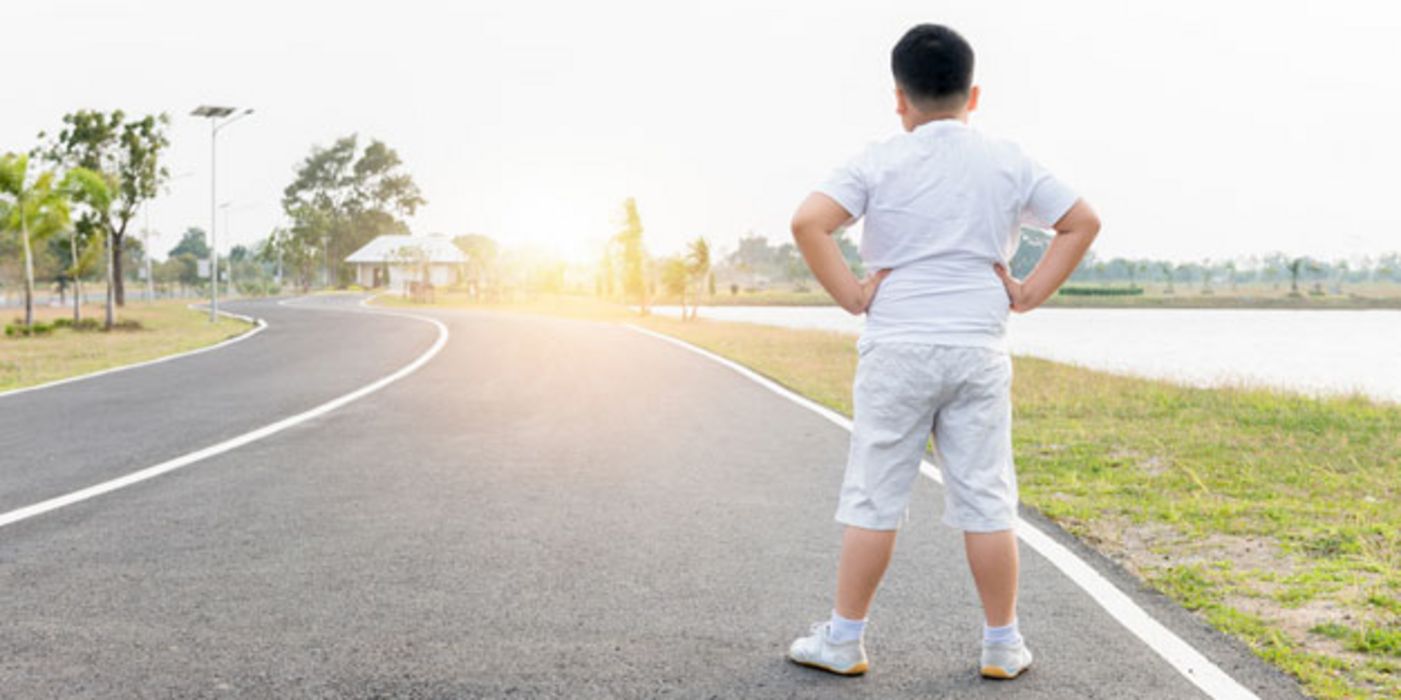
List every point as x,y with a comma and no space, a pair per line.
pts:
548,508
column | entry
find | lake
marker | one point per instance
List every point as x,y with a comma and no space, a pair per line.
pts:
1313,352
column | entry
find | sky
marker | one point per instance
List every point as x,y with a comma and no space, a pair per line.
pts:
1197,129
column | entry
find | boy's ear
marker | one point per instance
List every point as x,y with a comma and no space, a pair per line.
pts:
902,103
973,94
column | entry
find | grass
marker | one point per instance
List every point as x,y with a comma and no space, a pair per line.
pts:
1274,516
167,327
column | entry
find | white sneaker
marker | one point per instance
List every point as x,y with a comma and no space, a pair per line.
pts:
1005,661
817,651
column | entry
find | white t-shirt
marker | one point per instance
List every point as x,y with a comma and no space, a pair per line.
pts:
941,205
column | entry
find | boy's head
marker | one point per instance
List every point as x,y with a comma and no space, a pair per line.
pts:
933,69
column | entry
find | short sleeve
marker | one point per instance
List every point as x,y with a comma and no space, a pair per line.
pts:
1046,198
848,186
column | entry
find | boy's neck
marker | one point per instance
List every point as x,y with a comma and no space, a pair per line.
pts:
918,120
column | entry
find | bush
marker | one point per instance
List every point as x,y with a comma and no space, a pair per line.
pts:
17,329
1101,291
87,324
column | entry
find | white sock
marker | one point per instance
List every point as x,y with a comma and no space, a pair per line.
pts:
844,630
1008,635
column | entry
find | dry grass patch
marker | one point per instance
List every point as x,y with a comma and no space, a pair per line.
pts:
166,327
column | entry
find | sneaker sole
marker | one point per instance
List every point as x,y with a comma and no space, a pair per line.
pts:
1002,674
856,670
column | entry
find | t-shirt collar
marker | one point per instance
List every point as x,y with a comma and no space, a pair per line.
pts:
939,125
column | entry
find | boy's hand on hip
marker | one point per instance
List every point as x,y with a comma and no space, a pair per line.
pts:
1019,300
868,290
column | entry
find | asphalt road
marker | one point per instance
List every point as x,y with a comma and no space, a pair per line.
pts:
548,508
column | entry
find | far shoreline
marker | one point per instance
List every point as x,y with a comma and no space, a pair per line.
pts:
1088,302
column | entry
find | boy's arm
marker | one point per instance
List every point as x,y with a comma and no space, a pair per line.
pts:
1075,231
816,220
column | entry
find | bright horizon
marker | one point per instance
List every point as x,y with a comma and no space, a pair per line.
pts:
1198,130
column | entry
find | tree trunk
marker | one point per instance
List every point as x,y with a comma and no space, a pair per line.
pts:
28,269
117,238
111,310
77,279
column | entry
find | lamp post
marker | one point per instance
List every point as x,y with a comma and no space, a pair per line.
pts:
218,119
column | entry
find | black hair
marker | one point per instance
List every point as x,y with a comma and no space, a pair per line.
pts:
933,64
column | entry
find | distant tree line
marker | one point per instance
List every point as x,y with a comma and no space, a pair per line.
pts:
756,263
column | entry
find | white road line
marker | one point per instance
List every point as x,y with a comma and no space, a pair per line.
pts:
1191,663
136,477
258,326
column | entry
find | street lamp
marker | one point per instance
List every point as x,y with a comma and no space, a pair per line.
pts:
219,117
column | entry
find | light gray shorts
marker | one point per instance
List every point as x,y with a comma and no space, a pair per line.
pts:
903,393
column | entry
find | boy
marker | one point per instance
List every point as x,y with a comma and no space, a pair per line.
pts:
943,205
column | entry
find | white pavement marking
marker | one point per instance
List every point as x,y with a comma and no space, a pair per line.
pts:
258,326
1191,663
51,504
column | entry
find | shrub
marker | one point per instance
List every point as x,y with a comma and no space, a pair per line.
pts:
87,324
1101,291
17,329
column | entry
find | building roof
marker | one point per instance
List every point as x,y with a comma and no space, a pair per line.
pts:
387,249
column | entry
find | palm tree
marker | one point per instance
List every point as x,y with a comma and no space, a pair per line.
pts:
90,188
33,209
698,268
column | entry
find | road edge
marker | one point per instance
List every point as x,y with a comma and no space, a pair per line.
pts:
1091,574
258,326
51,504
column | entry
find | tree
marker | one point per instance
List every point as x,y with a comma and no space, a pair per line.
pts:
34,209
271,253
128,155
91,189
192,242
413,259
1296,266
629,240
342,197
697,265
675,279
481,254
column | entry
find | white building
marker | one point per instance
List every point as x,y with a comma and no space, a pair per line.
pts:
395,261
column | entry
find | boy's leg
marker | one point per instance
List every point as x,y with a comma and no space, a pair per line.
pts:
894,408
865,556
973,438
973,435
993,558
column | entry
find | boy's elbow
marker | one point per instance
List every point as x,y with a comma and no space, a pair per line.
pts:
1081,220
800,226
1092,226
